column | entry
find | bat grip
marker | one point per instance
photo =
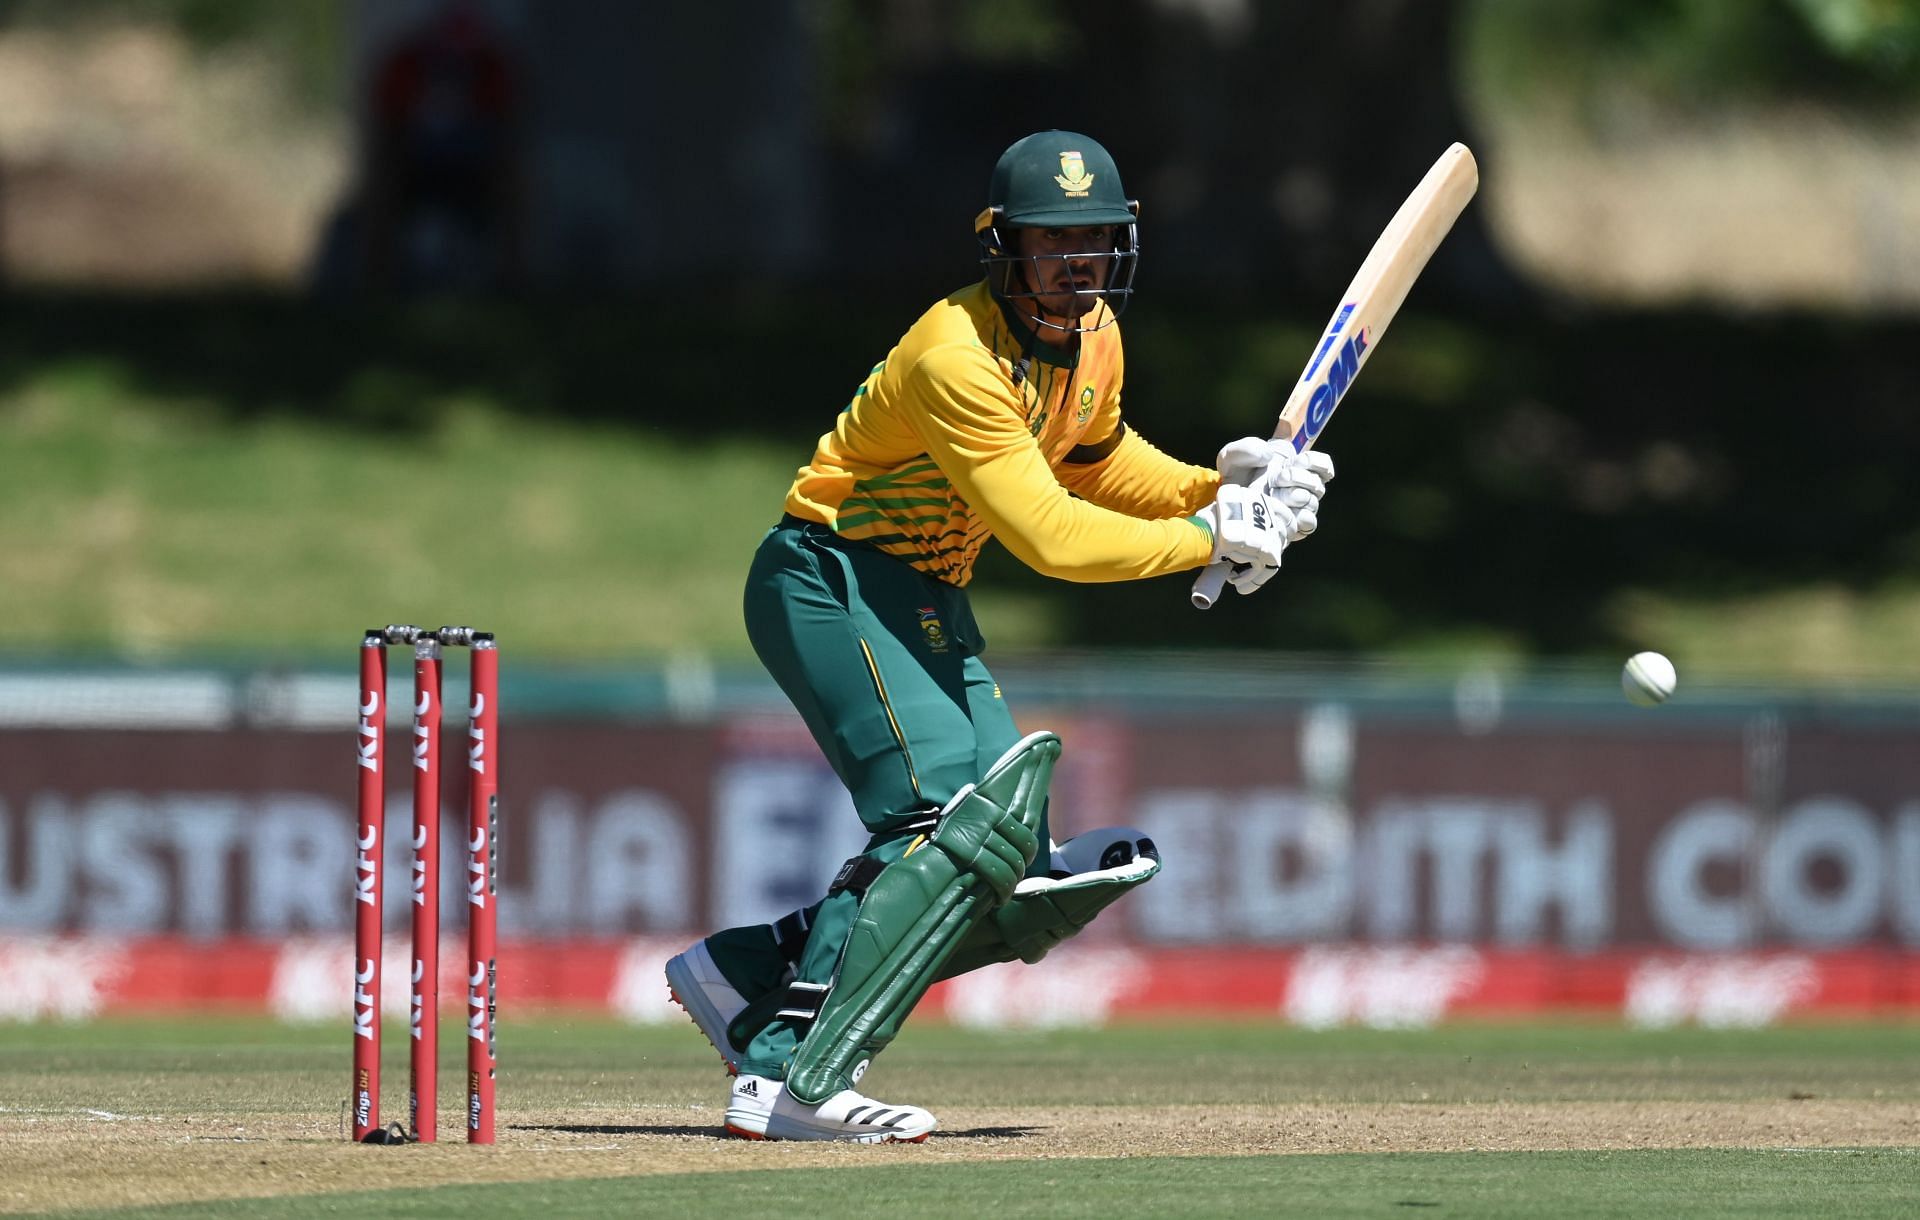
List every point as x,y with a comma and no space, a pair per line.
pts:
1213,578
1209,584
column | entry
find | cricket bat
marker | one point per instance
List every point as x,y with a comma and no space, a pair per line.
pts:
1366,308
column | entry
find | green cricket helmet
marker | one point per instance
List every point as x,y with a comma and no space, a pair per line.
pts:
1058,180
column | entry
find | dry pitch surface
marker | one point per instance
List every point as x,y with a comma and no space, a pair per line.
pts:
142,1114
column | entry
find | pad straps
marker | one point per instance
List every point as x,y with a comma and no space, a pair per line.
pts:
914,912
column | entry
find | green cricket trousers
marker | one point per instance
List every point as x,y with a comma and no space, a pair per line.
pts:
883,664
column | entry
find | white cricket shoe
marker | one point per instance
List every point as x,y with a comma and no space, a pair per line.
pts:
695,983
761,1109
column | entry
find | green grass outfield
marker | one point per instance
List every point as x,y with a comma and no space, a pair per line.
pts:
598,1119
1846,1182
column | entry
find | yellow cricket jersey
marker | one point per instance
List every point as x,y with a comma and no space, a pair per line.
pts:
962,433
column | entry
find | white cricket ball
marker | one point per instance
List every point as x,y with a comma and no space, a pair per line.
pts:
1648,679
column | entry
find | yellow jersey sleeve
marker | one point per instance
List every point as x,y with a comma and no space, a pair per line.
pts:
964,411
1116,468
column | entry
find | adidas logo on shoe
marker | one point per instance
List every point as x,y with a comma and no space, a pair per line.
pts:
750,1102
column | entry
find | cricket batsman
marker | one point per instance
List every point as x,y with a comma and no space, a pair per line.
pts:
996,415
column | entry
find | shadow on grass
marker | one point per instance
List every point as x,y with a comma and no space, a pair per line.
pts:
709,1132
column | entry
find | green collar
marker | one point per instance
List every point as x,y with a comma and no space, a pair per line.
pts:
1030,343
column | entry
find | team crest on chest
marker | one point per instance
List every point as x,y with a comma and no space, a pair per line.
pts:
1086,406
931,628
1073,176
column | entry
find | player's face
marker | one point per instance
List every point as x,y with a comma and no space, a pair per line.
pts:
1071,265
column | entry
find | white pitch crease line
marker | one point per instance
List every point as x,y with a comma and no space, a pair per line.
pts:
57,1111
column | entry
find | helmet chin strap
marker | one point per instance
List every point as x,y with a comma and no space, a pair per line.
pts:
1027,304
1045,324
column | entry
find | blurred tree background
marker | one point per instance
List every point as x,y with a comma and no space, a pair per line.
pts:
1592,427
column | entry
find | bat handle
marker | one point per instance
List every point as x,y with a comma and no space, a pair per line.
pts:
1209,584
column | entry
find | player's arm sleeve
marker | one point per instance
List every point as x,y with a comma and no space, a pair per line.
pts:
1116,468
1125,473
968,417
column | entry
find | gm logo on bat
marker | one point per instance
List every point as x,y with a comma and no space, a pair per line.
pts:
1341,371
